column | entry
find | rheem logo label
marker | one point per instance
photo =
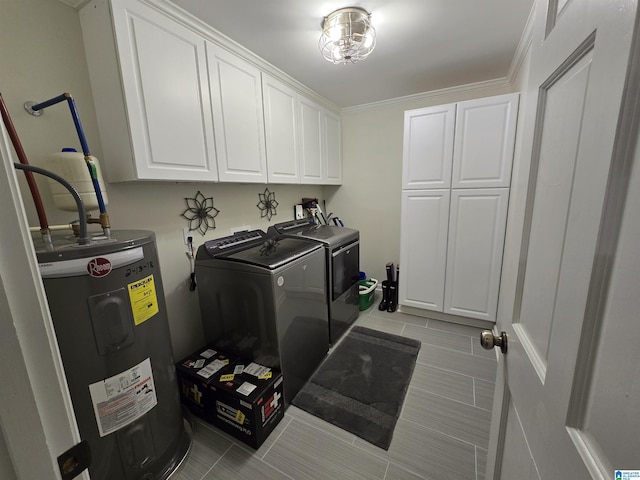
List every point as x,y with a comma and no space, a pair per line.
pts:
99,267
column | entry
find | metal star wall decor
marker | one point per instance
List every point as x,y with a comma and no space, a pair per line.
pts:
267,204
199,213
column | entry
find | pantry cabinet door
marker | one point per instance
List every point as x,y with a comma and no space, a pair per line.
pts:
281,124
484,141
165,90
474,254
238,121
428,147
423,248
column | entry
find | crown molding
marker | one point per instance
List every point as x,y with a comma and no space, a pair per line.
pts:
478,87
77,4
519,56
523,47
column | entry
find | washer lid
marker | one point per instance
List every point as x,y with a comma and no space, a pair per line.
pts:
330,235
273,252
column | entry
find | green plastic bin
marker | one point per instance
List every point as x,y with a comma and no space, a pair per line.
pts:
367,290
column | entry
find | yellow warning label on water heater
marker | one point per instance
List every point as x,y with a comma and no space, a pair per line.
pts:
144,302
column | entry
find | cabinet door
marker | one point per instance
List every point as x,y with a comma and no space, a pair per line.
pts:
281,131
333,149
484,142
474,253
311,142
428,147
165,90
236,97
423,248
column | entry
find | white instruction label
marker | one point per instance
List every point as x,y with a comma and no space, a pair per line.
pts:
212,368
246,388
257,370
208,353
123,398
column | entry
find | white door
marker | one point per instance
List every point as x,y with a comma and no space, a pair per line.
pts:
37,422
477,220
164,78
425,221
238,120
280,103
484,141
311,142
567,395
428,147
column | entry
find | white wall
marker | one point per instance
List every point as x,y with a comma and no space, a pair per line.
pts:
6,466
41,56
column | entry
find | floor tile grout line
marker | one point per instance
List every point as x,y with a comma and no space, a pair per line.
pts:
452,371
445,434
390,461
266,462
473,355
426,344
473,379
277,438
327,431
217,461
475,400
469,337
436,430
445,397
386,471
252,452
462,374
476,457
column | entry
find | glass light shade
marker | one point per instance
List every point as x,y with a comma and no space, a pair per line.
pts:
347,36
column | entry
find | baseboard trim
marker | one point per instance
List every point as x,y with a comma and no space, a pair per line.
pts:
471,322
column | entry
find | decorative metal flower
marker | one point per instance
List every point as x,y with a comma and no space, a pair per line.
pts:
267,204
199,214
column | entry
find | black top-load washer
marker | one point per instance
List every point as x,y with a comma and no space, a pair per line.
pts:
342,258
263,299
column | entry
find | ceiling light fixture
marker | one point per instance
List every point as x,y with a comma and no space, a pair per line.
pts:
347,35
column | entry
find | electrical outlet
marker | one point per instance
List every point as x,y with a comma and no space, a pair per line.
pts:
186,233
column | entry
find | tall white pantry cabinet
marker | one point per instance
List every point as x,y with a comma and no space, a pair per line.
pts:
455,189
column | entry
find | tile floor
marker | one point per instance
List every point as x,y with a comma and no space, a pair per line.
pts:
442,433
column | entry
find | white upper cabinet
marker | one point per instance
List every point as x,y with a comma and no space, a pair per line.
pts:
484,142
332,149
281,123
153,110
173,104
428,147
236,97
311,142
320,144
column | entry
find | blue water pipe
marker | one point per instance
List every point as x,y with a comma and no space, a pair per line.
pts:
35,108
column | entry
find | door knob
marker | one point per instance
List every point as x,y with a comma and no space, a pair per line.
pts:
488,340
